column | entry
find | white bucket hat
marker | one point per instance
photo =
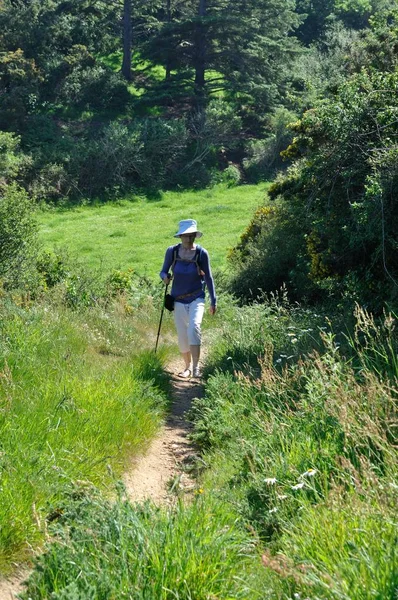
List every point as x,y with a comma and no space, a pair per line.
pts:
188,226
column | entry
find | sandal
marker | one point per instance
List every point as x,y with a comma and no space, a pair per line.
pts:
185,374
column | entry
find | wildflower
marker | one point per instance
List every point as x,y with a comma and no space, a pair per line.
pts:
199,491
270,480
298,486
294,340
310,473
278,360
273,510
282,496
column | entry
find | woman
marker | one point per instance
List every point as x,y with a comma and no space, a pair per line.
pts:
190,267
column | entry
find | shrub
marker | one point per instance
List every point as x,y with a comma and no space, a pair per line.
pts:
95,87
18,236
52,267
10,159
263,156
267,256
143,153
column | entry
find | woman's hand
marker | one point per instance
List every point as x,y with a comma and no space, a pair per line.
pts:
212,310
166,280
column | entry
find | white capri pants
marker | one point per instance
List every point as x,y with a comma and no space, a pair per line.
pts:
188,318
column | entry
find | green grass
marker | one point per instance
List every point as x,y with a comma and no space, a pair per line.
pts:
305,449
76,399
135,552
135,233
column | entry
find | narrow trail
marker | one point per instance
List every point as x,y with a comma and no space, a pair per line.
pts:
162,473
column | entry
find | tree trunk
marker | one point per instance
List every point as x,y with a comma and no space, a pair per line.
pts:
200,55
127,39
168,59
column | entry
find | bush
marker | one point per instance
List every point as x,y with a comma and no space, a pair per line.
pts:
263,156
18,236
144,153
267,256
94,87
10,159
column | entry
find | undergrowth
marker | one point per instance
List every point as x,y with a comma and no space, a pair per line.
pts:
119,550
297,473
78,395
304,448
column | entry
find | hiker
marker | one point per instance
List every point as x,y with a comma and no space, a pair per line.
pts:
190,267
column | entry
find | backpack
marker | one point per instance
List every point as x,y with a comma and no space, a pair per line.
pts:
196,259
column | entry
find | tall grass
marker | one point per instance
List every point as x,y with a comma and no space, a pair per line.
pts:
306,451
138,552
75,401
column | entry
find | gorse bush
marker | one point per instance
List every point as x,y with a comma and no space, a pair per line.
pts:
267,256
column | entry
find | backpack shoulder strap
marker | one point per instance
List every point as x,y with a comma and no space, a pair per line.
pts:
198,258
175,254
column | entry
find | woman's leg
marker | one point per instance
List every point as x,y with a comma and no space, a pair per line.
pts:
196,311
181,320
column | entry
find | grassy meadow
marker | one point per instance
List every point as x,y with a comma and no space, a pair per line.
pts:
134,233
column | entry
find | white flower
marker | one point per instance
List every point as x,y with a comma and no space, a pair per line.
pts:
270,480
310,473
298,486
294,340
282,497
278,360
273,510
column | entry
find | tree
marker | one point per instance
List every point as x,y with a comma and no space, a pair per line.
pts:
127,40
237,47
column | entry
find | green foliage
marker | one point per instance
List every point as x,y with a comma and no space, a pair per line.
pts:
337,207
306,451
52,267
143,153
129,551
19,78
11,159
267,256
263,155
93,87
75,403
18,236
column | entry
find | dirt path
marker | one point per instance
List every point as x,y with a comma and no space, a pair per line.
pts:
164,470
161,473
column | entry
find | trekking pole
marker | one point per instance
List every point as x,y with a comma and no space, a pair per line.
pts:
161,318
